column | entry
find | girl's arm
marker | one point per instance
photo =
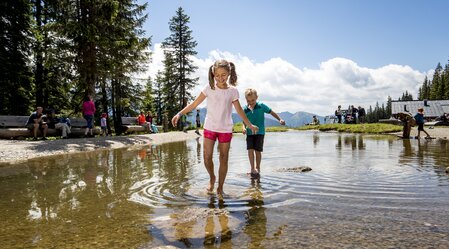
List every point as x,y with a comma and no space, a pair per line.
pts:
188,108
242,115
276,116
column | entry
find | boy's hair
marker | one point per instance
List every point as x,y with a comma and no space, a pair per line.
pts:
250,91
420,109
230,68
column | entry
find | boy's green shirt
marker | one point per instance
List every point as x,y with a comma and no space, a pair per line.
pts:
257,117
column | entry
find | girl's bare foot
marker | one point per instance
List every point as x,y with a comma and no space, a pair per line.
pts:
210,188
220,193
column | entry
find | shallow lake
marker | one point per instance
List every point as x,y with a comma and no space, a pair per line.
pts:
363,191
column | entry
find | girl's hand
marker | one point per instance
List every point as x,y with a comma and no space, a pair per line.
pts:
254,129
174,120
282,122
244,131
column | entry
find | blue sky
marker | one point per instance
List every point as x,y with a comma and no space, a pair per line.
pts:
366,49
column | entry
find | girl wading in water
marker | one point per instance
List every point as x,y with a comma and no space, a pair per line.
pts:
221,95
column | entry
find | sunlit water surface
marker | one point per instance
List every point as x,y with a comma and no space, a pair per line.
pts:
363,191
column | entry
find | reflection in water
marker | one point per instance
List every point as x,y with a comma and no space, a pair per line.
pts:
363,191
213,234
256,220
355,142
316,139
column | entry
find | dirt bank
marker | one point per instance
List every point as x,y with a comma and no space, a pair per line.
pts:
13,151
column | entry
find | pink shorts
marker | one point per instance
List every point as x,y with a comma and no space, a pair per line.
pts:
222,137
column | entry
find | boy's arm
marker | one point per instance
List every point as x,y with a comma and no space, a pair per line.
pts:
276,116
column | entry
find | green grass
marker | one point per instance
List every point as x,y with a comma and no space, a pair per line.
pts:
375,128
238,128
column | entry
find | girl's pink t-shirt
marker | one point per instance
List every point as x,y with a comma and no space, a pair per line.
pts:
88,108
219,108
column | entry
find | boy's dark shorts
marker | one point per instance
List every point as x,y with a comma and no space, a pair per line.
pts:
254,142
420,127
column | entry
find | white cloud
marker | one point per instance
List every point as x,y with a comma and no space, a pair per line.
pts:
284,87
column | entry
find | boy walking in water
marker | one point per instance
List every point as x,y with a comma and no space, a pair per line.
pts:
419,117
255,111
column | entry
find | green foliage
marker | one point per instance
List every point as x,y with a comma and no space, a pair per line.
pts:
376,128
373,116
438,87
15,71
406,97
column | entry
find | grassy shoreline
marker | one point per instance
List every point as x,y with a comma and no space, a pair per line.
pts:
375,128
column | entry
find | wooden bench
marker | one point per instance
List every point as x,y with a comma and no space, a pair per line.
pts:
130,125
14,127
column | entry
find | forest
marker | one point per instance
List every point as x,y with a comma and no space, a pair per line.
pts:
53,53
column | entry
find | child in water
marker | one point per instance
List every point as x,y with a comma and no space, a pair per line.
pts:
221,95
255,111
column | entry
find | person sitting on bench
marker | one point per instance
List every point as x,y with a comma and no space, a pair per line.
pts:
37,120
59,123
141,120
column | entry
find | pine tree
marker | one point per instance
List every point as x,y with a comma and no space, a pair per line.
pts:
180,47
15,71
446,81
170,88
424,90
435,91
158,93
148,102
388,109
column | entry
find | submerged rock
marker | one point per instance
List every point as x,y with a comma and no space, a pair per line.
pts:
295,169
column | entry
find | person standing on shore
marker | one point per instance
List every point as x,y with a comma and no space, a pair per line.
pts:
419,117
104,124
88,114
338,114
255,111
198,122
221,95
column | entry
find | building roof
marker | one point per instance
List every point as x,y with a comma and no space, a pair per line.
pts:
433,108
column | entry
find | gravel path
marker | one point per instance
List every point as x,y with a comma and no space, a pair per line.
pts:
438,132
14,151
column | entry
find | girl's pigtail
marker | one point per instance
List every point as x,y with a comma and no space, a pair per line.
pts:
211,77
233,74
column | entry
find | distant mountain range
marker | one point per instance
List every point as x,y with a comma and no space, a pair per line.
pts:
291,119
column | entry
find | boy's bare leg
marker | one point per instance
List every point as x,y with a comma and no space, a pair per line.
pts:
251,160
258,160
208,146
223,170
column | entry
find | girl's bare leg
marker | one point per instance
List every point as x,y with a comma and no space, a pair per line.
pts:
208,146
223,170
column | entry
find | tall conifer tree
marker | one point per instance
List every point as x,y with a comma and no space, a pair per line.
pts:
180,47
15,70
